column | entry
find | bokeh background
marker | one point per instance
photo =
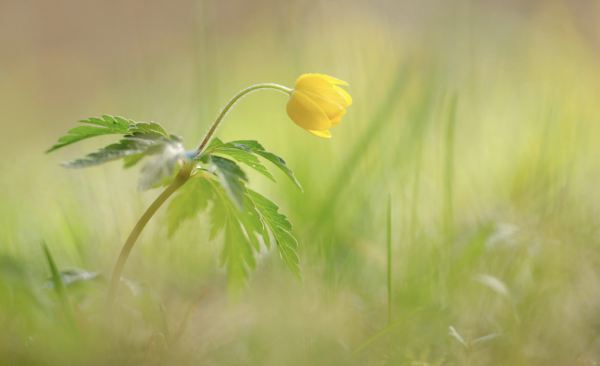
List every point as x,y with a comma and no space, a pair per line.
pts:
495,203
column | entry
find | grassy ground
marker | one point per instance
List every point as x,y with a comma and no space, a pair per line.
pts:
479,121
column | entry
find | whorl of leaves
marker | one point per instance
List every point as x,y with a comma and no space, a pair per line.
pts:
241,214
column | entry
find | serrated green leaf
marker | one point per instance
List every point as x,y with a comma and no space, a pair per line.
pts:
141,139
248,159
240,229
115,120
172,146
236,255
133,149
258,149
193,198
148,129
291,259
215,143
120,120
280,226
112,125
252,222
270,211
109,125
131,160
266,237
160,170
111,152
281,164
253,145
217,146
204,192
231,177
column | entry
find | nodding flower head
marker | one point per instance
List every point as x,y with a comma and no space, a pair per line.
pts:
317,103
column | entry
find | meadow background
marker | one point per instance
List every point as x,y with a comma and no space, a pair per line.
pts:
495,204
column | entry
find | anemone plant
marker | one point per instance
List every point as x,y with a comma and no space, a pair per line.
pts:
209,177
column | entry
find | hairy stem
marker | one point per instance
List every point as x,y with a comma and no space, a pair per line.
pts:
233,100
180,180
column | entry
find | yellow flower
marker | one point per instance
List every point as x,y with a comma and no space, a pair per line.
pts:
317,103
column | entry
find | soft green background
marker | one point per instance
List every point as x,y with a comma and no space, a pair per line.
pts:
497,235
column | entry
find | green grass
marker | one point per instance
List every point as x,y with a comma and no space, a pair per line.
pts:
484,134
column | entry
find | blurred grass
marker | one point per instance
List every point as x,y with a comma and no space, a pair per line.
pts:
496,212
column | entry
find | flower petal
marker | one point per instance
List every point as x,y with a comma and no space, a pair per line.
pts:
330,101
312,81
306,113
333,80
324,134
311,78
336,121
344,93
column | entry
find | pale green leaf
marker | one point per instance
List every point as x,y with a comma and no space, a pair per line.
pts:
280,226
242,229
192,198
258,149
248,159
281,164
214,144
231,177
111,152
148,129
108,125
253,146
140,139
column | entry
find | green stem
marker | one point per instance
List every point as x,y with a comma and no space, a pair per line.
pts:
180,180
233,100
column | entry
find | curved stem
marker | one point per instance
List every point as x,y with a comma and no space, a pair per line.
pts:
180,180
233,100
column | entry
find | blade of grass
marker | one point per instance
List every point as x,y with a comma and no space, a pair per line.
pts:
389,271
449,182
412,146
188,316
60,288
416,185
164,322
382,332
382,118
151,344
449,168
